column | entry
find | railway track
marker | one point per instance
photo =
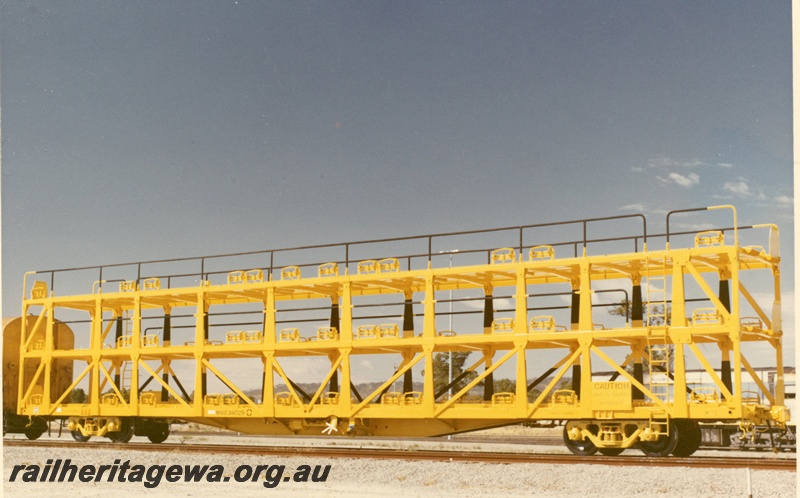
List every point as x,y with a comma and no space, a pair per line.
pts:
787,464
526,440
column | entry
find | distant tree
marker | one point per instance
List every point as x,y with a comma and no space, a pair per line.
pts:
505,386
441,371
78,395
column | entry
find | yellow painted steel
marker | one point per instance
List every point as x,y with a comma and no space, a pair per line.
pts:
610,414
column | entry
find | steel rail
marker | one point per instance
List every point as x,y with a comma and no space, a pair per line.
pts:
785,464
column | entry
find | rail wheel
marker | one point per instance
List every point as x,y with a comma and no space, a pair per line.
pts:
663,446
33,432
610,451
124,434
580,448
158,434
79,437
689,438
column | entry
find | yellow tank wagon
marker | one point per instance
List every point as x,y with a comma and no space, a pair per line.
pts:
149,343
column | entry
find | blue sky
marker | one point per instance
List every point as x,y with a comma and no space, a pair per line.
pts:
149,130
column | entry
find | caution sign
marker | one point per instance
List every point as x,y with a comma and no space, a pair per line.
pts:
611,395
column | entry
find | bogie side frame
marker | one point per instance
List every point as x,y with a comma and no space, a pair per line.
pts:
646,402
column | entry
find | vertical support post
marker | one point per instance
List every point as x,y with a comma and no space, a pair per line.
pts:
345,392
269,319
408,331
96,342
735,327
777,322
346,341
725,367
23,338
637,319
725,371
346,321
521,304
408,315
333,385
678,319
725,294
488,318
638,374
575,312
636,305
429,303
521,330
429,333
680,403
585,321
166,361
47,357
117,336
522,379
488,311
268,328
586,372
199,337
136,345
268,384
202,344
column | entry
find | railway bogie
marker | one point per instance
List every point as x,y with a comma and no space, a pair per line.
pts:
148,349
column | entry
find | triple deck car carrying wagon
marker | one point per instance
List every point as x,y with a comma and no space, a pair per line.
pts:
160,345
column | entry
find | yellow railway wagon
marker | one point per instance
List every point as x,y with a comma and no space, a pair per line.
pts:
151,337
60,372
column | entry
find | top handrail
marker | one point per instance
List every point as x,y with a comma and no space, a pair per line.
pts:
709,208
348,245
578,243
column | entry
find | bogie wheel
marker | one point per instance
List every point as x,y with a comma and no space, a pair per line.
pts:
124,434
689,438
663,446
159,434
580,448
33,432
79,437
610,451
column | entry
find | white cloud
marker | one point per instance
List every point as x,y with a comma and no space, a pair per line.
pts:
687,181
784,199
739,188
633,207
666,162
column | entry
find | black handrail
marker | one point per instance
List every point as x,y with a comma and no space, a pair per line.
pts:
582,242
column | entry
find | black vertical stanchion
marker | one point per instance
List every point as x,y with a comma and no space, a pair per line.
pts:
725,367
117,336
333,386
637,317
488,318
167,340
408,331
575,313
203,383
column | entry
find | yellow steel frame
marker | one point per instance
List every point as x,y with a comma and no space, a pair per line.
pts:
583,345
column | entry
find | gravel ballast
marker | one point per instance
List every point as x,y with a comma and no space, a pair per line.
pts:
394,478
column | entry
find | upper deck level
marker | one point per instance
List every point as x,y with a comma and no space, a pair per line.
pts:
617,247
